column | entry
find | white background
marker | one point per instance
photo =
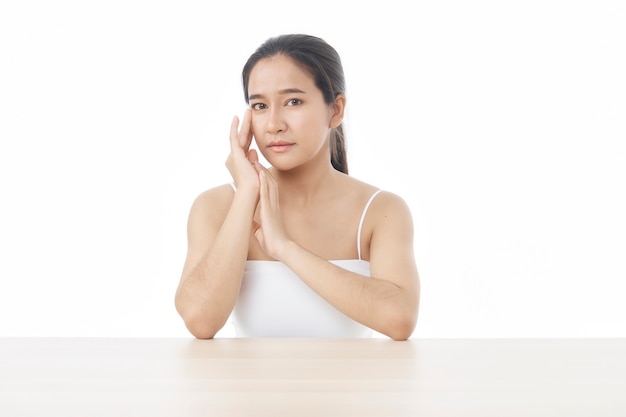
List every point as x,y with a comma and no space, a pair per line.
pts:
501,123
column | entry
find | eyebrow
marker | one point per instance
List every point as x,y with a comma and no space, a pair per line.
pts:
281,92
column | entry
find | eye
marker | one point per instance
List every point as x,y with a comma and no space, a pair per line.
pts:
257,106
294,102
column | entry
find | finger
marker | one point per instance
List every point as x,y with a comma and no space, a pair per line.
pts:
233,133
257,165
265,192
255,227
245,134
258,234
263,188
272,190
269,188
253,157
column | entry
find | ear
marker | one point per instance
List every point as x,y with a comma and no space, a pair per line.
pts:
337,110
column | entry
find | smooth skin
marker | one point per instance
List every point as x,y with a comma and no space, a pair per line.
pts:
300,211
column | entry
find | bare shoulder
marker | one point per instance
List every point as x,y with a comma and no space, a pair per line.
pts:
391,210
389,201
385,203
216,196
211,206
387,210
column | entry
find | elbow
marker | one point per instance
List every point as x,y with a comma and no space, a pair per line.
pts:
401,324
199,325
202,334
401,330
200,328
403,318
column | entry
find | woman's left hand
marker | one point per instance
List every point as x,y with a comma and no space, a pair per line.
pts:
270,233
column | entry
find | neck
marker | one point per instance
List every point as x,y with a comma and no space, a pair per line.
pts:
306,183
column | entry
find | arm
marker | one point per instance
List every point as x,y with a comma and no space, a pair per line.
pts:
387,302
216,256
218,234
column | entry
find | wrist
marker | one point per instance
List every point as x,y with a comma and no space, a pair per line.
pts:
288,250
246,188
246,196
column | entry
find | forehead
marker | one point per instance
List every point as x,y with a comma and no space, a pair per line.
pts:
278,73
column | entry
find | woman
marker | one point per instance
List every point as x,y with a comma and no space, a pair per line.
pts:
298,249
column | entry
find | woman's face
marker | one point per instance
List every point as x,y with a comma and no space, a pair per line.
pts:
291,122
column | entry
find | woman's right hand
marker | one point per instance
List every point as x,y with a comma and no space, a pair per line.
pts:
241,160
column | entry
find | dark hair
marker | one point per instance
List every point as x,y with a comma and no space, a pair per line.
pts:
320,60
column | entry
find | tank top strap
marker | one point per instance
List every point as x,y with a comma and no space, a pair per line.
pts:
358,235
232,184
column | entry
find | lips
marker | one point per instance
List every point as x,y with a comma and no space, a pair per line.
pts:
279,146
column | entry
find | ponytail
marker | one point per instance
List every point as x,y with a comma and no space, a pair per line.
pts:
338,157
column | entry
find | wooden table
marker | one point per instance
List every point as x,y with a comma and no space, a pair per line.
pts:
89,377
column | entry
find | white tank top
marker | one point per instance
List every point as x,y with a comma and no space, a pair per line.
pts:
274,302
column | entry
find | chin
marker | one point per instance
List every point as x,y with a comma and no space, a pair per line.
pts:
282,165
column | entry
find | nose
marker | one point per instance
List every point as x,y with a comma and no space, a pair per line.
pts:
275,121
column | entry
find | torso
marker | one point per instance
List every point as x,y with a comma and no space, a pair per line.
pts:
274,302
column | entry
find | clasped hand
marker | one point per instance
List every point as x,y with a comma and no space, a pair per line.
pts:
252,177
